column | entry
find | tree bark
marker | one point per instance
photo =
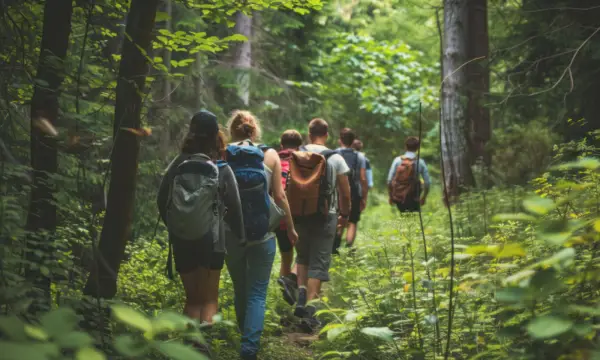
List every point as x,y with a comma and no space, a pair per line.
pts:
116,229
45,108
454,130
243,57
478,73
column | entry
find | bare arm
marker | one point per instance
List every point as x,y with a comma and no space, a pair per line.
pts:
343,187
365,187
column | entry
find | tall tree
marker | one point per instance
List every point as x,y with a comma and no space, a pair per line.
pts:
478,73
243,57
116,229
454,126
44,114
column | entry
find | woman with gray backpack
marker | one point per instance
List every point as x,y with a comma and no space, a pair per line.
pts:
258,174
198,195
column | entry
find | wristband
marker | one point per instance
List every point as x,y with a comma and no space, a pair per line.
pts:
345,216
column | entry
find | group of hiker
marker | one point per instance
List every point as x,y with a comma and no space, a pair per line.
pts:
233,201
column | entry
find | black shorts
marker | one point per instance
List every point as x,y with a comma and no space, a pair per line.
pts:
283,241
190,255
355,210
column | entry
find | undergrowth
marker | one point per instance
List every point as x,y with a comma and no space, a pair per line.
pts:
525,286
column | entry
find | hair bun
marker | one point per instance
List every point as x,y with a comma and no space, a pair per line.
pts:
247,128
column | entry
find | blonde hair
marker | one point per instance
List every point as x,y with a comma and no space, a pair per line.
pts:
243,125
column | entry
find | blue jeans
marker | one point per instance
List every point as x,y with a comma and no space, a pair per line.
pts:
250,270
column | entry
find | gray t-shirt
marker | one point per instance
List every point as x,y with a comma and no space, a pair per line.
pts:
337,162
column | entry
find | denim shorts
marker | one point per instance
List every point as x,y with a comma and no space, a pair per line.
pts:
315,243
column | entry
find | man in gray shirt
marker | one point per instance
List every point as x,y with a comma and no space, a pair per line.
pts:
316,234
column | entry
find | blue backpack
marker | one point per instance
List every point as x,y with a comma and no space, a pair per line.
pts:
246,161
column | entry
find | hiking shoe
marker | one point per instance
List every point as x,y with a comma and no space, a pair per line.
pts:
300,312
310,325
288,289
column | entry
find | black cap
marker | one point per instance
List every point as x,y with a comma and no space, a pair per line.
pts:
206,122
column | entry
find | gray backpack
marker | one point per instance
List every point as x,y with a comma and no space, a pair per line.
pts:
195,208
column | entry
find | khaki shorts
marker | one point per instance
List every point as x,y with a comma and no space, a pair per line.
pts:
315,243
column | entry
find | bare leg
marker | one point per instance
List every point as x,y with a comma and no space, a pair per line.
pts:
286,263
302,273
193,285
314,288
351,233
210,295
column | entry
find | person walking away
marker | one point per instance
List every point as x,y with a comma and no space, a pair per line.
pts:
193,194
358,146
315,210
290,141
250,265
404,183
359,188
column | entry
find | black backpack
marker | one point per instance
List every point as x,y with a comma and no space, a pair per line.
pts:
351,158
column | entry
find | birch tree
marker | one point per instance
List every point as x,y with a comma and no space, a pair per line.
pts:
242,61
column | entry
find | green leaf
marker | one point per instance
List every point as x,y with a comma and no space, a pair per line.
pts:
513,217
59,321
511,250
383,333
161,16
539,205
548,326
28,351
130,346
330,354
563,256
36,333
519,276
170,321
89,353
585,163
74,340
131,317
178,351
13,328
511,295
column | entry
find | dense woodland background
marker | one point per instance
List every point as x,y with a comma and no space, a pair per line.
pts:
95,96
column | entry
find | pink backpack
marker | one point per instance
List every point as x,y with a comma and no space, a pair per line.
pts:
284,156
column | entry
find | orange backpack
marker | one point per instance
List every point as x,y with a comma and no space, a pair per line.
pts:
405,182
308,190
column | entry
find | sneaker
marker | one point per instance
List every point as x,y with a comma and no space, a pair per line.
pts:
309,323
300,311
288,289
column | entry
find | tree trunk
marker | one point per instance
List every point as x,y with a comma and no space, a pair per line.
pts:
478,73
44,110
116,230
164,106
454,131
243,57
